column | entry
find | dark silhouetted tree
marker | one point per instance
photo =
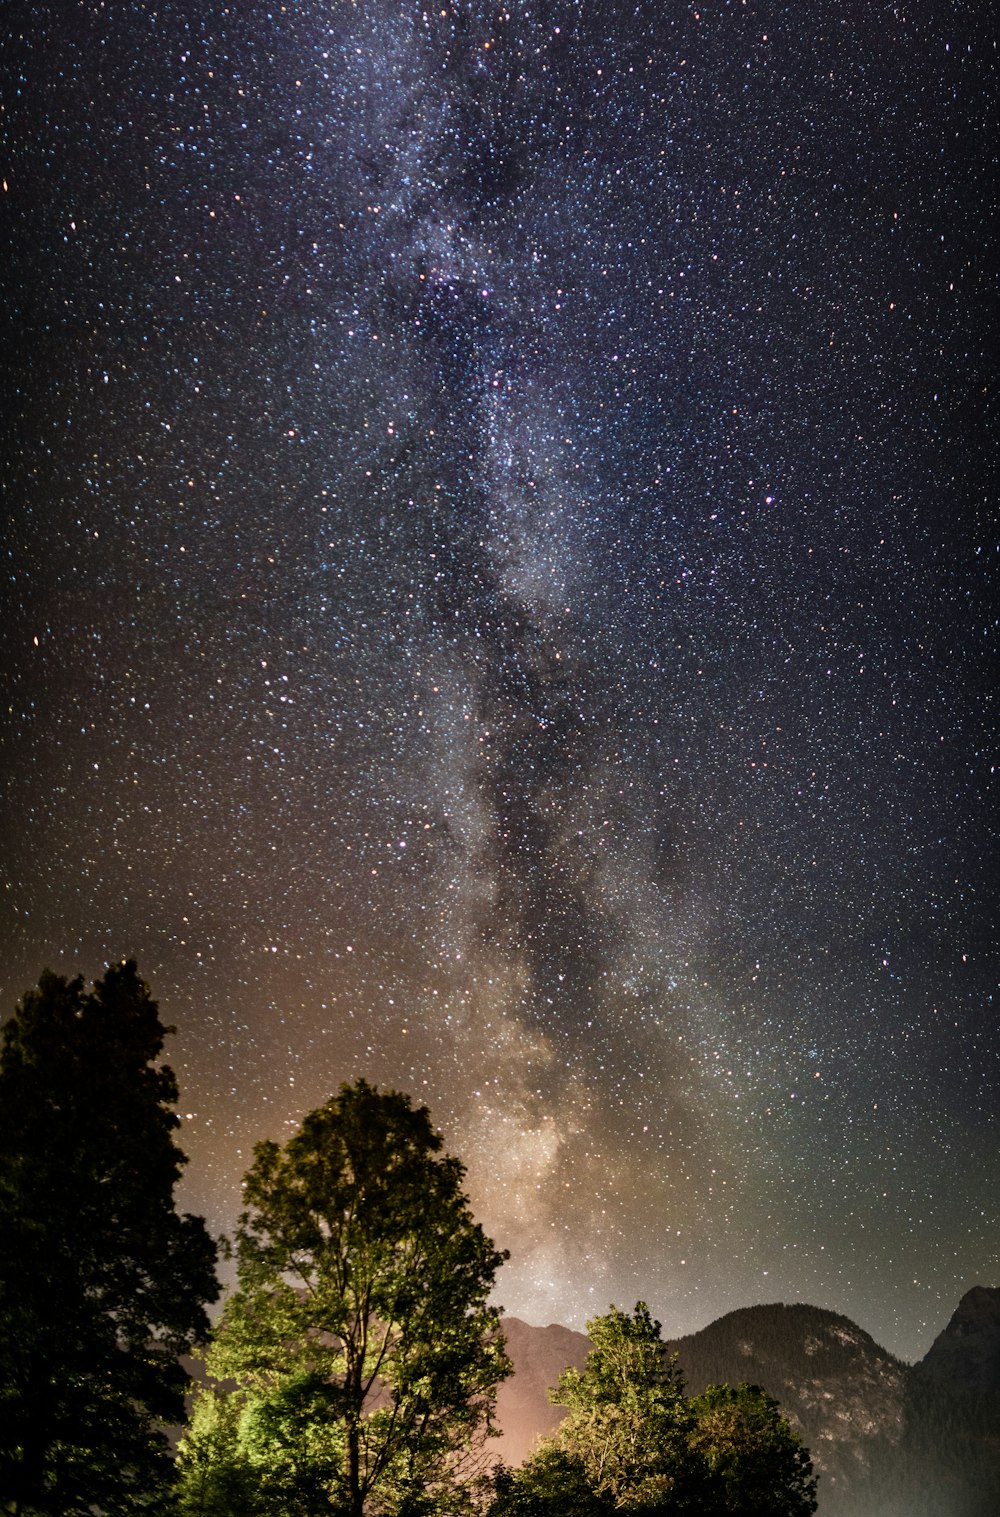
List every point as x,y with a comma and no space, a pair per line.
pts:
756,1462
550,1483
102,1283
363,1352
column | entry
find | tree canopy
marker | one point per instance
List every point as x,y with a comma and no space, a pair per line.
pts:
102,1283
756,1463
627,1416
551,1483
360,1345
632,1441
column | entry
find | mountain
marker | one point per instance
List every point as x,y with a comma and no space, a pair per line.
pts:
888,1439
845,1394
966,1355
539,1356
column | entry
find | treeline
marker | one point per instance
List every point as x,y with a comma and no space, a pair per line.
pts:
354,1367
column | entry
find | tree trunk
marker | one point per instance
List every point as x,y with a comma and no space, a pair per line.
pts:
354,1470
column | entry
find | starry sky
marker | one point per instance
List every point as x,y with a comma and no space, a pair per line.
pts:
495,600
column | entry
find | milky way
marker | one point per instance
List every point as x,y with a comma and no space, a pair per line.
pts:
497,603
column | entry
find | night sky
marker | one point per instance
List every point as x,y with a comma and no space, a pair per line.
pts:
495,601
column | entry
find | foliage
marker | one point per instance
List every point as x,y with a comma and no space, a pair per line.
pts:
551,1483
215,1479
364,1355
102,1283
628,1419
756,1463
632,1441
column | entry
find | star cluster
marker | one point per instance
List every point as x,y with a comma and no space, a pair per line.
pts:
496,601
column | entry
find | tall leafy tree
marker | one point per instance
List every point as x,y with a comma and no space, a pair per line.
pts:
627,1419
360,1345
103,1284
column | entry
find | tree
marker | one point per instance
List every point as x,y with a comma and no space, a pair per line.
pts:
102,1283
636,1443
364,1355
550,1483
628,1419
757,1464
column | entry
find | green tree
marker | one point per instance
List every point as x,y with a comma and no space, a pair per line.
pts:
550,1483
360,1342
102,1283
628,1419
640,1445
757,1464
213,1478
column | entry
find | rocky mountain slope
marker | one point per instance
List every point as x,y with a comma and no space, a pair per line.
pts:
539,1356
845,1393
888,1439
966,1355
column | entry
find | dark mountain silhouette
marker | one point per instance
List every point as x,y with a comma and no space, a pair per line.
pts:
966,1355
888,1439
